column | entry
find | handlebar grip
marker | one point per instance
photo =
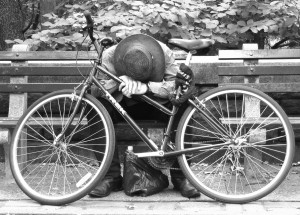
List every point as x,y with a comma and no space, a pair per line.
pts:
89,19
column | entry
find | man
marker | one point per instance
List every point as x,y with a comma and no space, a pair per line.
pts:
146,66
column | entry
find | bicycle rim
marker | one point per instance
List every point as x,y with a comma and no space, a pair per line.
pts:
261,147
65,171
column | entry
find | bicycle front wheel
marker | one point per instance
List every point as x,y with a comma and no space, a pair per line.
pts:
256,145
60,172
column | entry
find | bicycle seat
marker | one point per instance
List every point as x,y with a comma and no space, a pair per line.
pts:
191,44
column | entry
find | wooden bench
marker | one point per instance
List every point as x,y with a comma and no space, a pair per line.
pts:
30,73
24,72
267,71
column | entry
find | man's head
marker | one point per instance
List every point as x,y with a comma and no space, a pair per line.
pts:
140,57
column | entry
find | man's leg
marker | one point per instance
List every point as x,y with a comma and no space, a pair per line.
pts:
112,180
178,179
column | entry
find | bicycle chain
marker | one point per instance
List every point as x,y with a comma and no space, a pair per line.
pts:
161,163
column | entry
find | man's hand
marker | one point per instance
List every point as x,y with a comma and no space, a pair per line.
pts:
184,77
131,87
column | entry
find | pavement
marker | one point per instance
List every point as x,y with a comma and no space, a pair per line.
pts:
284,200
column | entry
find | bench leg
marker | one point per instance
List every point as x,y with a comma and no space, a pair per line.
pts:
254,156
5,138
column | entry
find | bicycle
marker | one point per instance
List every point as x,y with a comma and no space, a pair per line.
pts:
216,144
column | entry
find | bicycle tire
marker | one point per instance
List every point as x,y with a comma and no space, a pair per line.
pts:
61,173
261,151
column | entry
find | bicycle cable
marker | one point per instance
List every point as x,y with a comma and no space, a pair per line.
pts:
77,51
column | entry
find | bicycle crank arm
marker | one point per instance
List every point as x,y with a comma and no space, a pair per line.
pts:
150,154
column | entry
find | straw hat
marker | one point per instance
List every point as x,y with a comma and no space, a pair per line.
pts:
140,57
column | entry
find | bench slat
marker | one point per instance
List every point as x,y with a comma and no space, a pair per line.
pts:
257,70
47,55
264,120
259,54
35,87
12,121
44,71
60,55
270,87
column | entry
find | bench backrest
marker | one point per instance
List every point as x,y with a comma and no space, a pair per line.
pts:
42,64
267,70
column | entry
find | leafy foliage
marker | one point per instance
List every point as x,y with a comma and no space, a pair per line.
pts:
229,22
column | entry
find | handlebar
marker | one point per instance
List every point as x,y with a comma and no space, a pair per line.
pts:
89,20
105,42
90,24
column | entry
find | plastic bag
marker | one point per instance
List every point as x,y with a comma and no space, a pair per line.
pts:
140,179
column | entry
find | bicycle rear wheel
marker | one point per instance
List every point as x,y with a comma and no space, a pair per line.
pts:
62,172
260,152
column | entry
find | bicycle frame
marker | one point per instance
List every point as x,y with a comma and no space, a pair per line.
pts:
156,151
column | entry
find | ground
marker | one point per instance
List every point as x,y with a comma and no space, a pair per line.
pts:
287,191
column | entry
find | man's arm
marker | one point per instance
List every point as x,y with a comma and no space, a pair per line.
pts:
167,86
130,87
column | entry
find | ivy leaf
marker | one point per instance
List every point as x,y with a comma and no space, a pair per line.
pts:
231,12
231,26
60,41
158,19
147,11
76,6
183,19
44,39
273,28
137,3
244,29
18,41
76,36
169,2
111,7
137,13
10,41
221,15
48,15
194,14
211,25
118,28
220,9
55,31
250,22
173,17
260,27
62,22
274,3
254,29
47,24
184,34
266,29
241,23
154,29
206,33
289,21
219,39
36,36
45,32
270,22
